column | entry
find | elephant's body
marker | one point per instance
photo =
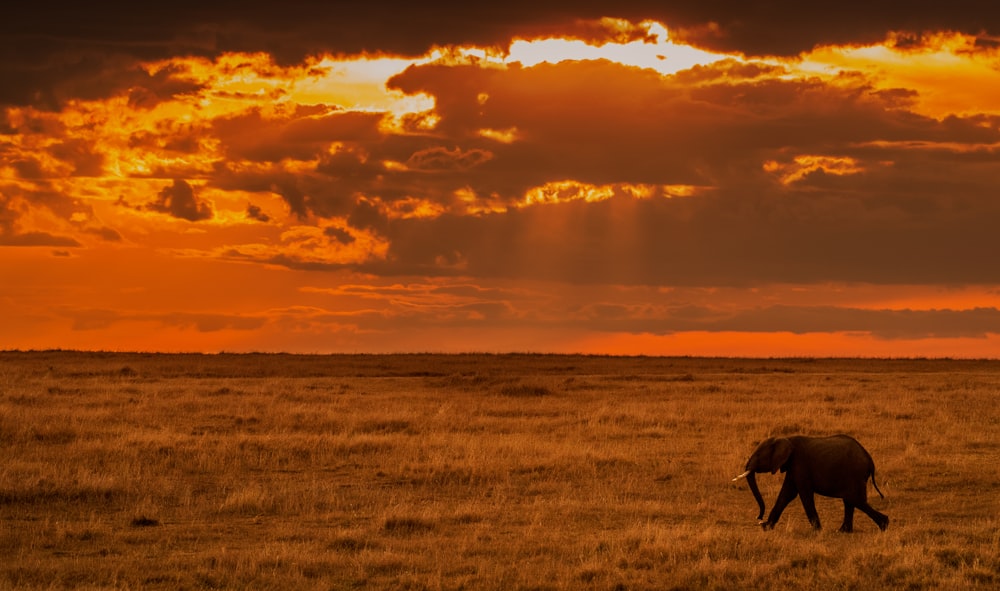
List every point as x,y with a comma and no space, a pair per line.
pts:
836,466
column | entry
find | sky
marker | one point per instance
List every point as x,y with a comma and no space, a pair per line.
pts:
638,177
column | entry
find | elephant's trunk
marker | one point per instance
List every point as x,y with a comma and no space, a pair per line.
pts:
752,482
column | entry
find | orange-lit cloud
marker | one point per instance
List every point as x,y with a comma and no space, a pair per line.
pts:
544,182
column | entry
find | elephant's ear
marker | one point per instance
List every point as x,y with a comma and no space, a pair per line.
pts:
782,451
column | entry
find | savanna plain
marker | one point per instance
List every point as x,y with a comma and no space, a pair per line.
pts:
136,471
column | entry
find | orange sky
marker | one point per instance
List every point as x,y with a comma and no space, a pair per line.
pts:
558,181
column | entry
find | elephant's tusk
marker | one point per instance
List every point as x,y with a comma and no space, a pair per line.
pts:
744,475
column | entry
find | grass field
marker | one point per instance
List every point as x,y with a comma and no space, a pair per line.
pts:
128,471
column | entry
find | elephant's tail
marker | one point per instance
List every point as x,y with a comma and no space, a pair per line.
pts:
875,485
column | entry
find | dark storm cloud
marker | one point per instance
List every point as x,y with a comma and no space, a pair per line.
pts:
328,188
167,83
81,155
905,215
916,204
86,70
722,239
301,135
293,188
787,27
570,131
347,156
440,158
80,50
180,201
174,139
368,216
254,212
339,234
639,127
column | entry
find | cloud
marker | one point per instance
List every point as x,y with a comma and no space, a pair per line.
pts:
632,196
882,323
892,213
105,233
80,155
36,239
791,179
165,84
94,51
453,303
339,234
440,158
723,239
786,29
48,71
179,201
639,127
101,319
256,213
171,137
301,135
23,207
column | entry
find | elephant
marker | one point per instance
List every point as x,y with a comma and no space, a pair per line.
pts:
835,466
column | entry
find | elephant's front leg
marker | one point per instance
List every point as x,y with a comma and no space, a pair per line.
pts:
809,504
786,495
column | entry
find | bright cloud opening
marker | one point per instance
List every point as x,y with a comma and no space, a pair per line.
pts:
661,54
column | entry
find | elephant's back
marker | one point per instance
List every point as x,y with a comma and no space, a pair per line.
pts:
841,465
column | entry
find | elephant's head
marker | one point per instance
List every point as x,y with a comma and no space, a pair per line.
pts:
770,456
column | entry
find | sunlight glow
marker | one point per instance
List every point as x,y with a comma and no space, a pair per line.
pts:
473,204
360,85
504,136
952,75
804,165
413,208
661,55
568,190
312,244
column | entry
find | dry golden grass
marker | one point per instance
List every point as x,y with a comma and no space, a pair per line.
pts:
481,472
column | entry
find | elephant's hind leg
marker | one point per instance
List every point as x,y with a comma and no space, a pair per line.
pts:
848,525
880,519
